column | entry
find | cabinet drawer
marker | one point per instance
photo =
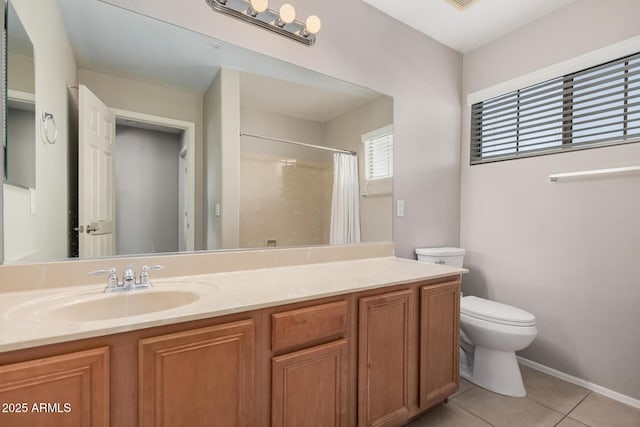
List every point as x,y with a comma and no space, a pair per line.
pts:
307,325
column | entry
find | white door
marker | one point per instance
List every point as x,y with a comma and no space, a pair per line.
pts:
96,193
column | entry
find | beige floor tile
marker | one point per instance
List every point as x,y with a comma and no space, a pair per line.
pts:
599,411
570,422
448,415
552,392
464,386
503,411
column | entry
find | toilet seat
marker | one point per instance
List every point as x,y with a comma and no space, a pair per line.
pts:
495,312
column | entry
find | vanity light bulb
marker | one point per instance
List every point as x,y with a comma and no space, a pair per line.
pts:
259,6
287,13
313,24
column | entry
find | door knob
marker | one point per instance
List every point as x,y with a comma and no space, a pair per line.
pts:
92,227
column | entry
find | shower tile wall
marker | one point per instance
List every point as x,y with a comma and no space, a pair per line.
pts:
285,199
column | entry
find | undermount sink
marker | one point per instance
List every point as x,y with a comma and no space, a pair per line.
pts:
123,304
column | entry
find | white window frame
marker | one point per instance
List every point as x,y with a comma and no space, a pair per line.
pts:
366,138
596,106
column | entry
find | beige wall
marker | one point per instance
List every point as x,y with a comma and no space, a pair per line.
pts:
55,68
221,112
568,252
376,210
212,116
20,72
281,126
21,230
360,44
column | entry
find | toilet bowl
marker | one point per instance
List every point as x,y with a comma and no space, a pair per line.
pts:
490,334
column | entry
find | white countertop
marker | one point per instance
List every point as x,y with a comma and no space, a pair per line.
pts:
24,325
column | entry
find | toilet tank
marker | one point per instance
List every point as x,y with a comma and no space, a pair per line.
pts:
447,256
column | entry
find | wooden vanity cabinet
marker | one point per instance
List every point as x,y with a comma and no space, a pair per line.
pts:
373,358
385,334
408,349
439,342
309,387
198,378
67,390
310,366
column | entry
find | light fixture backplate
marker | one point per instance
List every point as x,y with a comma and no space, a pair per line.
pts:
239,9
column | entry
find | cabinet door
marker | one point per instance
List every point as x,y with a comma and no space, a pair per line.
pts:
203,377
439,342
71,390
385,330
309,387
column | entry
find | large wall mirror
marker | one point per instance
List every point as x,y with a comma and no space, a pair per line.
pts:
166,140
19,147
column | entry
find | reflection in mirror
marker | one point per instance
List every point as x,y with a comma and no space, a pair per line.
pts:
286,189
19,150
155,160
20,169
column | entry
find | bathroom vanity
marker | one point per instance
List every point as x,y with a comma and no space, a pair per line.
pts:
367,342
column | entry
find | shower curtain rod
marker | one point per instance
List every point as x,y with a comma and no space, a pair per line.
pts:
336,150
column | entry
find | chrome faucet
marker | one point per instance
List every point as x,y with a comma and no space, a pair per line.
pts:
128,278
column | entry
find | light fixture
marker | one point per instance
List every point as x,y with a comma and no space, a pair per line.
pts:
282,21
287,15
312,25
257,6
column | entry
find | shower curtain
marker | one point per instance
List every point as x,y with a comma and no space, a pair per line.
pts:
345,202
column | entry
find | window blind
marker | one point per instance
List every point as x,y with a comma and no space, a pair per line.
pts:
379,157
592,107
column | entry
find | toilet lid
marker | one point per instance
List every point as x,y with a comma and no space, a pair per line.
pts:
495,312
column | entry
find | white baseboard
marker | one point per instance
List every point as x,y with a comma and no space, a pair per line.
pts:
582,383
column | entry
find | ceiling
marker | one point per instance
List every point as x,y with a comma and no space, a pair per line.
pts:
465,30
141,48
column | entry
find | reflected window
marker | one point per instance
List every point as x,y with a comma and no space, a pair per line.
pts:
378,151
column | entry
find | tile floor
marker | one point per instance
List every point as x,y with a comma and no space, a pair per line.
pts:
549,402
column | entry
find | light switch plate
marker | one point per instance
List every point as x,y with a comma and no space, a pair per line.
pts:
399,207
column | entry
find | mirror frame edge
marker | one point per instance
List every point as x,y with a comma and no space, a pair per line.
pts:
3,120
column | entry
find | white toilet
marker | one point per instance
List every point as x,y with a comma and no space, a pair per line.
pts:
490,334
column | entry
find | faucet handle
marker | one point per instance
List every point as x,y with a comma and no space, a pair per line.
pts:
112,280
152,267
103,272
144,276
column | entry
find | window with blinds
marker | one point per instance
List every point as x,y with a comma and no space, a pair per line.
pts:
378,152
593,107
